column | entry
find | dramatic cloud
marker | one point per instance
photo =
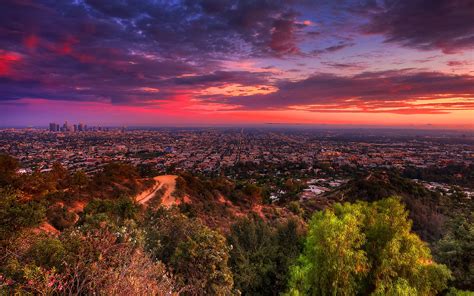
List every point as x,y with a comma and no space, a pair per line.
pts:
388,91
112,50
282,40
426,24
208,26
220,55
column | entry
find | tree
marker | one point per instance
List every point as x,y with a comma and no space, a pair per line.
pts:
16,214
8,169
200,262
260,254
456,250
365,249
252,256
333,262
78,180
197,255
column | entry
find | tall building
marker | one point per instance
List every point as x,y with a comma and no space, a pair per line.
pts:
80,127
52,127
65,127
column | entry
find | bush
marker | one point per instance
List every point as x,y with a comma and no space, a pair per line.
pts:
16,215
92,262
456,292
115,211
60,217
295,208
48,253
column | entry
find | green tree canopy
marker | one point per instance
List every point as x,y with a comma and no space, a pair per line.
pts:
16,214
365,248
456,250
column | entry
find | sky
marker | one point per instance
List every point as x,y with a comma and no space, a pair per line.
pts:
404,63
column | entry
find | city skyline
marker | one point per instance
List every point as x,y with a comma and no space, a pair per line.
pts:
76,127
344,63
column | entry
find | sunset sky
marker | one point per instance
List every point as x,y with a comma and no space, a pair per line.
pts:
229,62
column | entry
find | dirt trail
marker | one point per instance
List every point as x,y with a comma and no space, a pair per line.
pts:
46,228
169,181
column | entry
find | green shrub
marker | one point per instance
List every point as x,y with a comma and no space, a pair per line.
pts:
60,217
16,214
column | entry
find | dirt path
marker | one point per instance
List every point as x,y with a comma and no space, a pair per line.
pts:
167,199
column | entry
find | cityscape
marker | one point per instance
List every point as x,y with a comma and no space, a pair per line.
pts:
237,148
80,127
215,151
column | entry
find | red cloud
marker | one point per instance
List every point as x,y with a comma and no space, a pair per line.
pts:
65,47
31,41
7,59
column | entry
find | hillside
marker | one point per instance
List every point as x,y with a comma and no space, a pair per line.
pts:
218,202
195,235
429,210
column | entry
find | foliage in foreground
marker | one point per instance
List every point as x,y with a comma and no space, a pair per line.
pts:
456,250
89,262
261,254
354,249
197,255
16,214
366,248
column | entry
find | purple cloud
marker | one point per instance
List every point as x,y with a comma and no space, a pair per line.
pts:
426,24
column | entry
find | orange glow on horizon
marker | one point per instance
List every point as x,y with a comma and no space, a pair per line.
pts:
235,89
182,110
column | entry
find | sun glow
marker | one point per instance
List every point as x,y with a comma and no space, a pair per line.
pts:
239,90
